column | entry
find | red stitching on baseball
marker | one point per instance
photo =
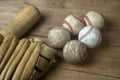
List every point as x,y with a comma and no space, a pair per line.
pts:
99,13
88,20
83,36
67,23
78,19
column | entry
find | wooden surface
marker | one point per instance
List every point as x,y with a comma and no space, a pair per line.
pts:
103,62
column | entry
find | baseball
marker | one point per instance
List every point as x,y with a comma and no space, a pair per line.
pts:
95,19
73,24
74,52
90,36
57,37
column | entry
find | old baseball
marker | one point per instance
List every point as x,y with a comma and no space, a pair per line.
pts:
73,24
95,19
57,37
74,52
90,36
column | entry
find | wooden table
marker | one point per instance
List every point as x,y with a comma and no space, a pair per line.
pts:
103,62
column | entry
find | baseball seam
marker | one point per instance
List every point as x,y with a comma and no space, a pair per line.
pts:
67,49
78,19
69,25
88,20
83,36
99,13
55,44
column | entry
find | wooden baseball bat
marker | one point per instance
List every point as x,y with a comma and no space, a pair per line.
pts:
22,22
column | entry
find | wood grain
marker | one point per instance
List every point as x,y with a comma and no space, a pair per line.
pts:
103,62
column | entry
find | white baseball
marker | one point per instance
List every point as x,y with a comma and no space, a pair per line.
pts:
73,24
95,19
90,36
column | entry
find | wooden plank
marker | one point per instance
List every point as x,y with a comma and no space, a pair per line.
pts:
9,9
103,62
61,74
